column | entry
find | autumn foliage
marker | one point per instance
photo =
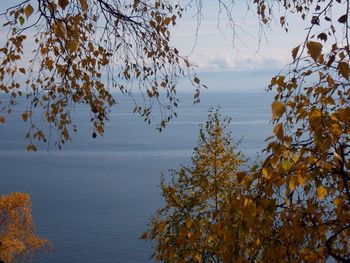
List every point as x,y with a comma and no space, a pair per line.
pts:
17,237
82,51
292,207
211,209
283,210
295,205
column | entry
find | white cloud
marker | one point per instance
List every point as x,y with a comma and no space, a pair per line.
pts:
223,61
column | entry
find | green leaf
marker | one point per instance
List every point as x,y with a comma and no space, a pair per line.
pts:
21,20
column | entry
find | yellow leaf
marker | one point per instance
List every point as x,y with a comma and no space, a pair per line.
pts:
266,172
161,226
60,30
330,80
198,257
280,81
248,202
84,5
17,234
315,118
293,183
278,131
25,116
28,10
52,7
72,45
344,114
166,240
258,241
337,156
100,129
301,180
295,158
295,52
49,64
188,223
287,165
278,108
31,148
314,48
167,20
337,201
336,130
344,69
321,192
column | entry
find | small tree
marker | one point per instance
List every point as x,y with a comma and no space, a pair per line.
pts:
208,209
294,207
17,237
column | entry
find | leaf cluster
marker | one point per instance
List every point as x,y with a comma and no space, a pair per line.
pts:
83,50
17,238
295,205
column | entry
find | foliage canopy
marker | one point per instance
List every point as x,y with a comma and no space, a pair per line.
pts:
17,238
302,188
84,49
210,206
294,207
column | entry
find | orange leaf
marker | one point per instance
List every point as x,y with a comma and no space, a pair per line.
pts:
278,108
28,10
321,192
344,69
315,49
293,183
84,5
63,3
25,116
31,148
278,131
295,52
144,235
315,118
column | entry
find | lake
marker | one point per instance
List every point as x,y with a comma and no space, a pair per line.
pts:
94,198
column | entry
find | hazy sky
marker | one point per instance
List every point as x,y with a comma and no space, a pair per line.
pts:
214,50
249,64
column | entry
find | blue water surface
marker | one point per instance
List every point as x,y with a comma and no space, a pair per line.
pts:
94,198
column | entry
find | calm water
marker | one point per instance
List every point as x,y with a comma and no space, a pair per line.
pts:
94,198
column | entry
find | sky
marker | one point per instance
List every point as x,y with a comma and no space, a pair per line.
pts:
244,63
221,60
216,51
